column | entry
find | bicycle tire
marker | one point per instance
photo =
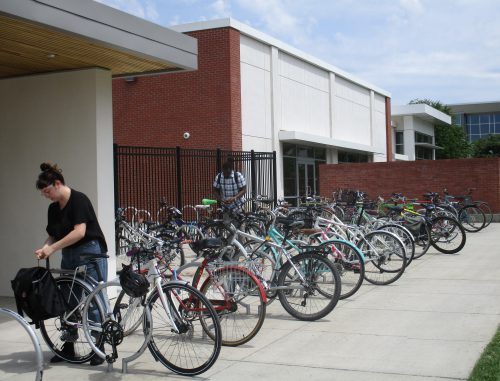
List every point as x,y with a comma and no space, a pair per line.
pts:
472,218
129,312
53,330
406,237
385,258
486,210
449,229
347,259
421,235
317,267
204,348
265,264
236,295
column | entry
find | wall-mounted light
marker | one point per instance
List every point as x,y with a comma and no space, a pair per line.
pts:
186,135
130,79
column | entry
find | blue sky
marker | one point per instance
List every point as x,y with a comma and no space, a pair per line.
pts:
447,50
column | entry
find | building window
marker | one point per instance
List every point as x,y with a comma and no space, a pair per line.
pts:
351,157
400,143
478,126
423,138
423,153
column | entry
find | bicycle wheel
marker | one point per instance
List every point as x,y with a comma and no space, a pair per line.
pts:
240,301
129,312
196,347
421,235
486,210
347,259
385,257
405,236
447,235
262,264
471,218
67,331
314,296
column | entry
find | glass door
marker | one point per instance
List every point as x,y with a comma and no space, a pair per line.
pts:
306,177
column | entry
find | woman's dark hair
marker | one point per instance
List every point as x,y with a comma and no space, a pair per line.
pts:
50,173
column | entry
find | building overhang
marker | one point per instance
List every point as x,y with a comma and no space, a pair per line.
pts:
428,145
296,137
422,111
41,36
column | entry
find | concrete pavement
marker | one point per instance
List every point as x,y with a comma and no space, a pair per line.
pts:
432,324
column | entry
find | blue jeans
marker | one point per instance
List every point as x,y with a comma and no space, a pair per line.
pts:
71,260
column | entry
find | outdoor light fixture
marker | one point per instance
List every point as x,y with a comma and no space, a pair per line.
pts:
186,135
130,79
51,55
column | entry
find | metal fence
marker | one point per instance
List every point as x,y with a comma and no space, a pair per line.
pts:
145,176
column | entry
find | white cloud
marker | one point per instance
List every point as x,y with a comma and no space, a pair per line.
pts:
277,18
412,6
222,8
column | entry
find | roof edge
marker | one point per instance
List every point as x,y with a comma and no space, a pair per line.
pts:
269,40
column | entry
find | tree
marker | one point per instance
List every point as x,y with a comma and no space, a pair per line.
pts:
452,138
489,146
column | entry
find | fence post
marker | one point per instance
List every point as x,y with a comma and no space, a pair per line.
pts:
116,190
253,177
178,164
275,180
218,159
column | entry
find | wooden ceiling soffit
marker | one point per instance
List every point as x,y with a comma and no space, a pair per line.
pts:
29,48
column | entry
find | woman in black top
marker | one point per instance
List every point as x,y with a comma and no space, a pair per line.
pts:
73,228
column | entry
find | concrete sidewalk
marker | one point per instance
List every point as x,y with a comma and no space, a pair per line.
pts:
432,324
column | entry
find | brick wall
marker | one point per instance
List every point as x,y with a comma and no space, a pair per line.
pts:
414,178
156,110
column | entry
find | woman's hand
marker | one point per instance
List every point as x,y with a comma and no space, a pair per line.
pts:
44,252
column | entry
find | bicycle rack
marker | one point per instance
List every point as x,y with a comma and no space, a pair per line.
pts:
33,337
100,353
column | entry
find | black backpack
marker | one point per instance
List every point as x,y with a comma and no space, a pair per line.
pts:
37,294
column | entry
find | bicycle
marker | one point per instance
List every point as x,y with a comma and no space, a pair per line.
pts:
307,285
180,326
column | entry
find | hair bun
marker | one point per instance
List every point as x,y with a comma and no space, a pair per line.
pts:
49,167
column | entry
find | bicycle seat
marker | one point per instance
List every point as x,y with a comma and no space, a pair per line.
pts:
264,200
208,243
395,208
289,223
203,207
310,231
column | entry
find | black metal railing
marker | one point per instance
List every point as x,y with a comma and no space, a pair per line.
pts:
145,176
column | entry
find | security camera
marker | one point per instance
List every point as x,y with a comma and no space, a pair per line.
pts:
186,135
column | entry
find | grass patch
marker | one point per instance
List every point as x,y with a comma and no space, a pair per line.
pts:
487,367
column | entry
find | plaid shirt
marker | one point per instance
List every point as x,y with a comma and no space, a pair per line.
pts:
229,187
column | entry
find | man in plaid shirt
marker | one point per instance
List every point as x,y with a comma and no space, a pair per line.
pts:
230,187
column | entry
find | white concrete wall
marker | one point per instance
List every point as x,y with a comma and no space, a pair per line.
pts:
378,133
65,118
423,126
282,92
305,98
256,95
351,114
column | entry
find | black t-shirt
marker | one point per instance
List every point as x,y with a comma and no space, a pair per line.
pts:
78,210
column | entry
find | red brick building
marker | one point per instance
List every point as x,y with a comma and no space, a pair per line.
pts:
253,92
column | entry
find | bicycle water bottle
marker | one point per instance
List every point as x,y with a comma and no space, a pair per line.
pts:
207,201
